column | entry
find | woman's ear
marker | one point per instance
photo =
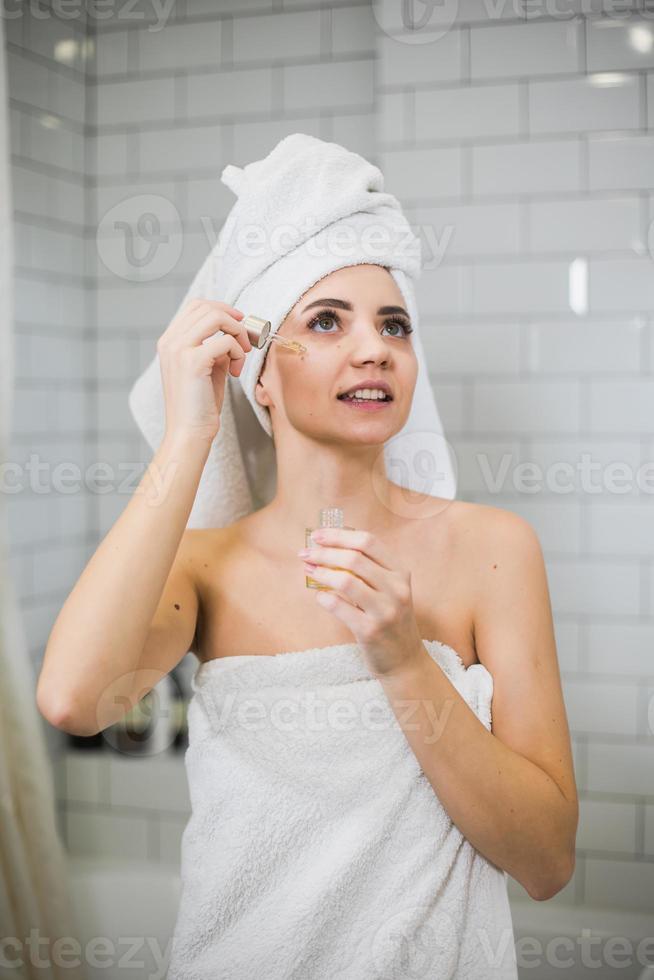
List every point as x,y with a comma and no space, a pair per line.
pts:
261,395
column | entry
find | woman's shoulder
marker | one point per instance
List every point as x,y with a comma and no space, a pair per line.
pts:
482,533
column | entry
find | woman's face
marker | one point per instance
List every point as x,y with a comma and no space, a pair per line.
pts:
343,348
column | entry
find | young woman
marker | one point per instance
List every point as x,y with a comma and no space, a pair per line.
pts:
469,579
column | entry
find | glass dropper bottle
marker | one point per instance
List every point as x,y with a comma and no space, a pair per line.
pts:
329,517
258,331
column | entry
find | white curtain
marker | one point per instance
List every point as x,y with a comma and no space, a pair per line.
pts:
34,888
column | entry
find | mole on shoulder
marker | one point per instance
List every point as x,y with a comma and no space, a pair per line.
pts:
494,566
177,605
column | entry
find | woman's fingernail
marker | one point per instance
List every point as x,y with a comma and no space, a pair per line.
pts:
304,553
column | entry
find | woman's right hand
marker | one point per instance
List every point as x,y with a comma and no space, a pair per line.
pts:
194,373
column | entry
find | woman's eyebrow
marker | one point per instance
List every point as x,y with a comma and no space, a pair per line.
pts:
343,305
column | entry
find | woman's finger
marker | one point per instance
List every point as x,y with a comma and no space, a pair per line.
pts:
356,562
363,541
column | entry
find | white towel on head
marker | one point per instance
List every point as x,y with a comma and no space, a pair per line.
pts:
306,209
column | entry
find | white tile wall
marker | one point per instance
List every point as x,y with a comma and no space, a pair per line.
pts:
516,147
49,539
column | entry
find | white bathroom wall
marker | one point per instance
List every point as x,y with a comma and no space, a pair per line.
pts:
53,420
522,150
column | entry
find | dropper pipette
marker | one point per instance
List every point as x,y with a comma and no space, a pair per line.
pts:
258,331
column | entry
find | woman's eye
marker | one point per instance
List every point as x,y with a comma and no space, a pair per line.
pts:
332,316
399,323
318,319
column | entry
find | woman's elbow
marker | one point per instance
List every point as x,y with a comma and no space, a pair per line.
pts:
555,881
61,713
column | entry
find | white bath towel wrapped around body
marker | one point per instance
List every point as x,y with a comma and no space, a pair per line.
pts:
316,847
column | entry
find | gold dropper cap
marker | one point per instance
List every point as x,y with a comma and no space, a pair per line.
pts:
258,331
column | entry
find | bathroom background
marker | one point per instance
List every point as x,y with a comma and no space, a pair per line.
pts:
520,140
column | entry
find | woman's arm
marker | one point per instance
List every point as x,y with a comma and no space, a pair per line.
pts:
90,674
511,792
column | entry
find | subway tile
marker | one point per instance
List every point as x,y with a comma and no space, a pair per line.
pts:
450,405
558,524
620,648
153,783
60,563
621,768
601,707
108,153
425,173
68,98
620,284
104,833
356,131
32,409
56,250
621,406
621,527
414,28
524,406
521,50
113,410
469,113
30,81
57,146
109,193
114,357
140,306
606,826
419,64
616,43
110,55
277,37
178,46
583,347
539,167
621,162
392,121
594,588
585,225
441,291
466,229
473,348
620,884
328,85
85,776
180,148
136,101
520,287
583,105
484,465
352,29
230,93
31,514
254,140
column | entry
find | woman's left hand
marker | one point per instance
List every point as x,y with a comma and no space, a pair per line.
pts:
372,596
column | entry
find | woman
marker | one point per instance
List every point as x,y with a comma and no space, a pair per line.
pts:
319,851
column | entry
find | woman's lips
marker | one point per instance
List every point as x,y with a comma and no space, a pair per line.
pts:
370,405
